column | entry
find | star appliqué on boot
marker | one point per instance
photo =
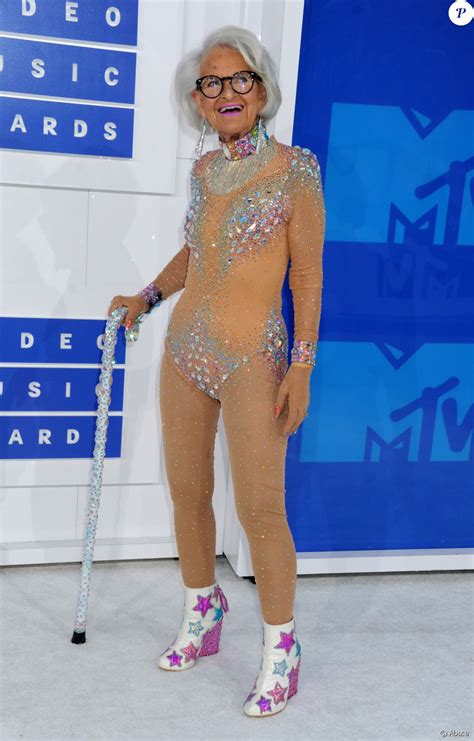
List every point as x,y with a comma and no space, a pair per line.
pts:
175,659
190,652
286,641
278,693
280,667
196,628
203,604
264,704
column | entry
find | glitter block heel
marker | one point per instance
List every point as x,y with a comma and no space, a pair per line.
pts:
211,641
293,689
201,628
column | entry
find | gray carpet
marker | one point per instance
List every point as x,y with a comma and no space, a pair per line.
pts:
383,657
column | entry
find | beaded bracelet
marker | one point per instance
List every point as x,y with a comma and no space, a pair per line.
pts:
154,297
152,294
304,352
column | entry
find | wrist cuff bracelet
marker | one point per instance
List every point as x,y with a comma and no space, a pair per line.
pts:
152,294
304,352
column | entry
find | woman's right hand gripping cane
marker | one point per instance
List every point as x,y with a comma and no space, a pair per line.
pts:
135,304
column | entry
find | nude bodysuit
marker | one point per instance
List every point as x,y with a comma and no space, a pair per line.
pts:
234,263
226,348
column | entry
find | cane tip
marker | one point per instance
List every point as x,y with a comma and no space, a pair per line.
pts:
78,637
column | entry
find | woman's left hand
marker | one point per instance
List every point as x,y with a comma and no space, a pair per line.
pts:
295,391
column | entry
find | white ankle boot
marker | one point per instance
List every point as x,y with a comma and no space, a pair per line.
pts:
277,679
200,630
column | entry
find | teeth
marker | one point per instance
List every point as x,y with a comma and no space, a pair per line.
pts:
229,108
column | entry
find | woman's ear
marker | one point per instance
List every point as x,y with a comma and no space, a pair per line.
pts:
197,101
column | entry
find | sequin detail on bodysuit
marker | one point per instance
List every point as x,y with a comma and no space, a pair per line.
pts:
193,220
275,345
251,221
200,357
306,164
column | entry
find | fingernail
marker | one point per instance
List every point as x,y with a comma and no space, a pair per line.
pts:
277,411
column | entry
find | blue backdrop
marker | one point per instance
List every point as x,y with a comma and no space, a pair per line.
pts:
385,458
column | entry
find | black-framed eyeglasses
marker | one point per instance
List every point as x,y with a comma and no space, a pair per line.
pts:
242,82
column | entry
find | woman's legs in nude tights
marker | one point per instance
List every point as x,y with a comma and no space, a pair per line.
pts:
189,422
257,454
257,451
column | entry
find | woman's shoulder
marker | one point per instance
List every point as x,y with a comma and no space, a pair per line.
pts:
301,166
299,158
201,164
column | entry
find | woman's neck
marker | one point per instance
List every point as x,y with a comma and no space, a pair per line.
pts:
247,144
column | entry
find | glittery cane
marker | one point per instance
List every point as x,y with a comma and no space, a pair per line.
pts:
103,394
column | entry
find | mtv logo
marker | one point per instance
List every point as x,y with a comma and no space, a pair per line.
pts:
396,450
365,408
414,271
387,168
401,219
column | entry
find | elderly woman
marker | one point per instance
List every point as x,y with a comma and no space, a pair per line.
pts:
256,205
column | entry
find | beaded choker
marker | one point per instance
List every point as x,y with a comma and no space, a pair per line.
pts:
247,144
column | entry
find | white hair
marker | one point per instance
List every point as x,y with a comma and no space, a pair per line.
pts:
255,55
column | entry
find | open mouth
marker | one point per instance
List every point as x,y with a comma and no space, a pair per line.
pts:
230,110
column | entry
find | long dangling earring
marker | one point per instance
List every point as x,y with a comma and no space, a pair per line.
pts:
260,135
200,144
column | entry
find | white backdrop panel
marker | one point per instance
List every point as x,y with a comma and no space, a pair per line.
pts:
37,513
